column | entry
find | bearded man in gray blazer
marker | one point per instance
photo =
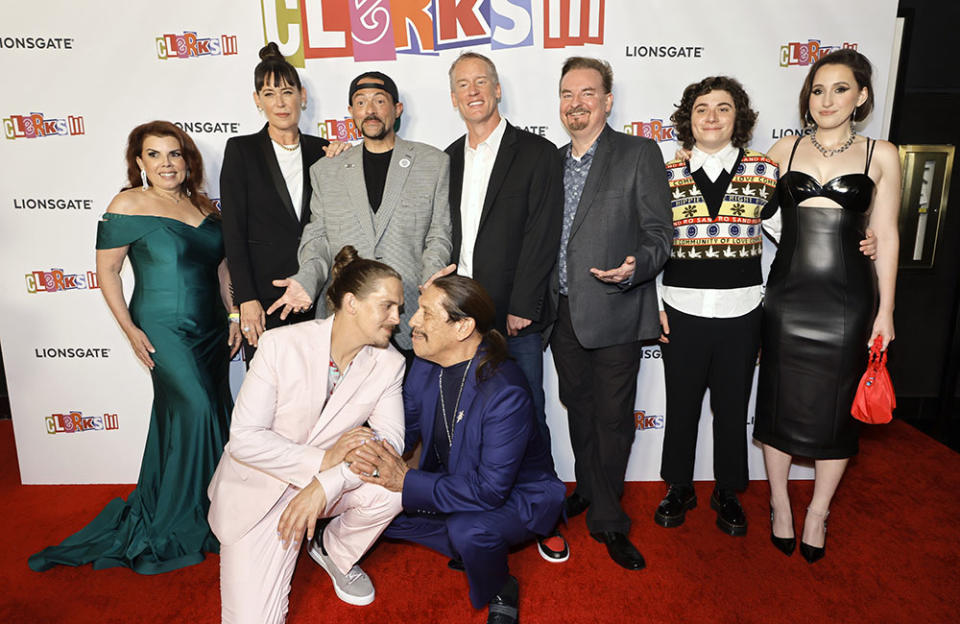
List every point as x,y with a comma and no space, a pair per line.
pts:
389,200
616,214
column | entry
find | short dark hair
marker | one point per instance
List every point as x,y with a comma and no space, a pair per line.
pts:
466,298
474,55
745,119
356,275
274,66
586,62
862,73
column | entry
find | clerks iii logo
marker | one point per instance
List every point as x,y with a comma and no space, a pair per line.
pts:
654,129
378,30
648,421
189,45
338,129
76,422
57,280
35,126
809,52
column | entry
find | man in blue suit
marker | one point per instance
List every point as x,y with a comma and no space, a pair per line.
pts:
485,480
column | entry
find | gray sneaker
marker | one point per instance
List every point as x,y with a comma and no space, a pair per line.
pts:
354,587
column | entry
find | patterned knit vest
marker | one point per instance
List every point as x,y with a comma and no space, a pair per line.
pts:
721,251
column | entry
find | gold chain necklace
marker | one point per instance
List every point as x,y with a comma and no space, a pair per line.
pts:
291,148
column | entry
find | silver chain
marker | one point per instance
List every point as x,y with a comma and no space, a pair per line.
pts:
832,152
452,427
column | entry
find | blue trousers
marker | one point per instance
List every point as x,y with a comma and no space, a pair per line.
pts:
481,539
528,353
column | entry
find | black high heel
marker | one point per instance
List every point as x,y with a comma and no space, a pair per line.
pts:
815,553
786,545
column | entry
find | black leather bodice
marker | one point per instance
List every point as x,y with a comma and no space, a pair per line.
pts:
852,191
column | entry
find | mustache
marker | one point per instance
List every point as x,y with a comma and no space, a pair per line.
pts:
578,109
372,118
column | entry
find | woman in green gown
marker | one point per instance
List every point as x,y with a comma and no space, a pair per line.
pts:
177,325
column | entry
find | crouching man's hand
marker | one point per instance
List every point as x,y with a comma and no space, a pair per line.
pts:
379,463
301,515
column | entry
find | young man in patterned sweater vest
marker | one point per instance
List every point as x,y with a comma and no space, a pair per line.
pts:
710,291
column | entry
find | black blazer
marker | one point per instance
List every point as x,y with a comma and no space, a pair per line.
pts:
261,231
519,233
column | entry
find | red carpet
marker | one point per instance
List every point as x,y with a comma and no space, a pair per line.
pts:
892,556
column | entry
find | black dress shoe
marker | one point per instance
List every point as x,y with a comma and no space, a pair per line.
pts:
786,545
575,505
503,607
730,516
621,550
553,547
673,508
815,553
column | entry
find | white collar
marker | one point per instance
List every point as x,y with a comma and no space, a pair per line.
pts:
492,141
725,158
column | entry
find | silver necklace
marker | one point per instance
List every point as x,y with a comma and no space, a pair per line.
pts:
452,427
831,152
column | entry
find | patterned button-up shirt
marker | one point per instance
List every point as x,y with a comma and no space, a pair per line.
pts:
575,172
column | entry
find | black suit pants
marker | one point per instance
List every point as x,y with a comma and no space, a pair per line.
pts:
719,354
598,388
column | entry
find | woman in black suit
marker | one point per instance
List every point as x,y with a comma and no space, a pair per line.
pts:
265,196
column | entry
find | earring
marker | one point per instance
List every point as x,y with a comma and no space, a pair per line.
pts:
303,106
259,110
143,178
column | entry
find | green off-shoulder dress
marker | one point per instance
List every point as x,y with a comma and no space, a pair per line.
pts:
176,301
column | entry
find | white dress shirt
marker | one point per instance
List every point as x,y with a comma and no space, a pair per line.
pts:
291,166
711,302
477,166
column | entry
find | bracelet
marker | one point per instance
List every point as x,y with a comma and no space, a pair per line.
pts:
234,317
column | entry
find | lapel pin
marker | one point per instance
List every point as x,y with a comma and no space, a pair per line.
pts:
404,162
460,416
348,166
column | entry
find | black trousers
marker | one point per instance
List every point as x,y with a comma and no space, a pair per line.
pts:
719,354
598,388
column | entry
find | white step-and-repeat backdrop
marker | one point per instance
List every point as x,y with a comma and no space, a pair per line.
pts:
80,76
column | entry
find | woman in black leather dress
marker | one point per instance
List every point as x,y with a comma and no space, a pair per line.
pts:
820,306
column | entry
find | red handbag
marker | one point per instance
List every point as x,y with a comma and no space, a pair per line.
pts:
875,401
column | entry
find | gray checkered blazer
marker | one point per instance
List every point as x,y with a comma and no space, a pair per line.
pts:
410,232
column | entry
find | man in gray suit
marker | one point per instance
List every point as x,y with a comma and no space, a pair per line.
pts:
616,214
388,199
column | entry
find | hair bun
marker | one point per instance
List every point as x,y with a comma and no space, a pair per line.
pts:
344,257
271,50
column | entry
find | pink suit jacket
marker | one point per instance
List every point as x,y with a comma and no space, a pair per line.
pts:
281,427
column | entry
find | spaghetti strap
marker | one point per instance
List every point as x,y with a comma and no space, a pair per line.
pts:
870,146
794,151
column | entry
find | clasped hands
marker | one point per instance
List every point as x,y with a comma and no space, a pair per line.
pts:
302,511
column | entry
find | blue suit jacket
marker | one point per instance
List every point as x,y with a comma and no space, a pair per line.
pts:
498,454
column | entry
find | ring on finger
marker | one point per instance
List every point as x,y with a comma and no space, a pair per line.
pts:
246,329
376,473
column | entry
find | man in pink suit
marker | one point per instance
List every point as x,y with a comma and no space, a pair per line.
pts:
315,392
